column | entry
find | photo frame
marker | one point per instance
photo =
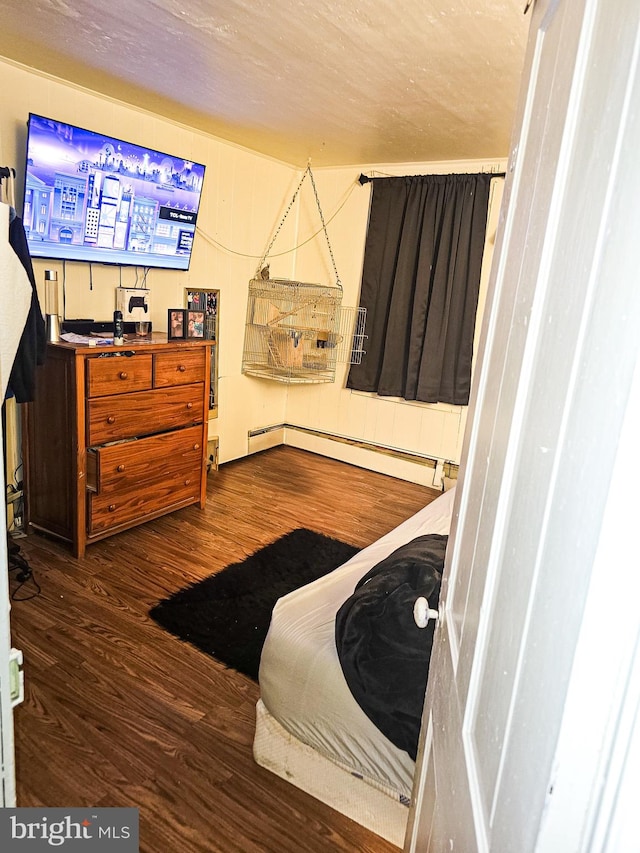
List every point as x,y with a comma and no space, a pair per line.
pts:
194,327
176,324
207,300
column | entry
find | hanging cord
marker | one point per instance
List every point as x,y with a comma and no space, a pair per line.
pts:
307,171
64,290
277,231
313,236
324,228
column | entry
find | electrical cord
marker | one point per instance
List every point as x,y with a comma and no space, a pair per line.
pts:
18,564
299,245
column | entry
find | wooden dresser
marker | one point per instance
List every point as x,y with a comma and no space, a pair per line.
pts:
116,436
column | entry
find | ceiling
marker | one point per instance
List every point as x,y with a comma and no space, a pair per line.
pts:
336,82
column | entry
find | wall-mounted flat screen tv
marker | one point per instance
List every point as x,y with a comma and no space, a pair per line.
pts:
91,197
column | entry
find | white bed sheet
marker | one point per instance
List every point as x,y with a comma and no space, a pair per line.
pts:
301,681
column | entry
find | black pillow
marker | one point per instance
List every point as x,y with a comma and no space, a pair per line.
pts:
384,655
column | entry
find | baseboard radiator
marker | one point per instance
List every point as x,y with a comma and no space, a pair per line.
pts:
445,472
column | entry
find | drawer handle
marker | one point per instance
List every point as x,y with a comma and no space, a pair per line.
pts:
124,374
111,419
196,447
112,507
182,368
186,482
120,468
189,405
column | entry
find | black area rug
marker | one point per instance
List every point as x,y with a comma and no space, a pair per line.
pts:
227,615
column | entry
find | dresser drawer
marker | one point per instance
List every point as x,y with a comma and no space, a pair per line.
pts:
117,468
137,479
164,491
118,374
142,413
179,367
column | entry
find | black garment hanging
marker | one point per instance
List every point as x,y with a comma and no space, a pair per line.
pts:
33,341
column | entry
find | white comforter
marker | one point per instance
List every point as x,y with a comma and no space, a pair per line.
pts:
301,682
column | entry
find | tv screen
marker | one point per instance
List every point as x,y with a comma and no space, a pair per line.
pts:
94,198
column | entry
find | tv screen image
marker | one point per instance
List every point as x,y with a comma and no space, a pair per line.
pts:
95,198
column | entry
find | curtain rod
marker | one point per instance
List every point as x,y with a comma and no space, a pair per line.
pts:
365,179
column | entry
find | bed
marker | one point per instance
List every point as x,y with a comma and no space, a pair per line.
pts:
309,728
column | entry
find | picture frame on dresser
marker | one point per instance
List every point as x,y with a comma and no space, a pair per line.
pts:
176,324
208,300
194,327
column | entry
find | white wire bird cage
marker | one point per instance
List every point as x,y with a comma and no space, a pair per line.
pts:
297,332
294,331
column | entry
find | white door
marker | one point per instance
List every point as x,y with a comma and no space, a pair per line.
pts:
15,297
560,343
7,763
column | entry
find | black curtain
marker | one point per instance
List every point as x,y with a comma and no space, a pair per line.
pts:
420,282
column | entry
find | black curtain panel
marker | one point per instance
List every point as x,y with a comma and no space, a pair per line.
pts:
420,282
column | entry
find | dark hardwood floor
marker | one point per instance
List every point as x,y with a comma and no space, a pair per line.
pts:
119,713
